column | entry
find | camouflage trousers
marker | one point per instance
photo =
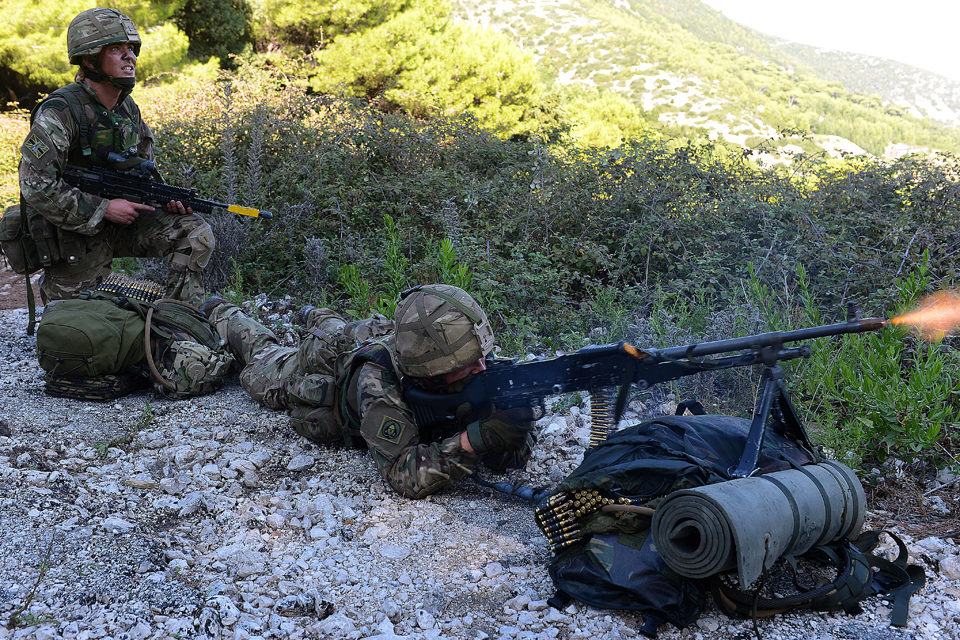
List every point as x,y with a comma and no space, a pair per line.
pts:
301,379
186,241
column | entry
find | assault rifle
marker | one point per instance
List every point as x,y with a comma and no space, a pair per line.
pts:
609,371
115,183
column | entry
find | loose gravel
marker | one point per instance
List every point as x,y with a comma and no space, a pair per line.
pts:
210,518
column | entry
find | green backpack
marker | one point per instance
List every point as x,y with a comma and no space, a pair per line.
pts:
90,337
87,344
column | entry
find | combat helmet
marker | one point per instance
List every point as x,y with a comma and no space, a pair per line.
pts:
96,28
440,328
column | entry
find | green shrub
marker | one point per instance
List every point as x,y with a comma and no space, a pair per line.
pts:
658,241
884,393
217,28
13,131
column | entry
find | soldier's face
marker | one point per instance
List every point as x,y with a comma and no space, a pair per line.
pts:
461,373
118,60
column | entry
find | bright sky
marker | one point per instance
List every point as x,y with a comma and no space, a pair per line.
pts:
921,33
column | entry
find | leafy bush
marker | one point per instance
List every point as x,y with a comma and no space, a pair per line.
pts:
534,219
217,28
33,40
420,62
13,131
306,25
869,396
658,241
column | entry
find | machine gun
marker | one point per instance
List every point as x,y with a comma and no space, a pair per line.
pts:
608,372
116,183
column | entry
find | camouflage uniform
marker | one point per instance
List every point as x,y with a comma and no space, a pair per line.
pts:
86,242
367,407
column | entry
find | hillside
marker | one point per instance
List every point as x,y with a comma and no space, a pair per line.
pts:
925,94
695,72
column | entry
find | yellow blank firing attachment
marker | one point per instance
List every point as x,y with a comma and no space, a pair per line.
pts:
246,211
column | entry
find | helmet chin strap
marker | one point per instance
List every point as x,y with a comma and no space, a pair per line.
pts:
96,74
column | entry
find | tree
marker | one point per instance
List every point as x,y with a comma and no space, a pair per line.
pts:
217,28
33,40
306,24
602,118
421,62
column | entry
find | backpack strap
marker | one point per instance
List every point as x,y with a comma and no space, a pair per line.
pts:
559,600
651,623
854,580
896,580
70,96
852,584
149,351
348,363
860,574
31,307
692,405
184,324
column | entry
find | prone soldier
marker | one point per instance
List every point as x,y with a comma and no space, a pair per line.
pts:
345,382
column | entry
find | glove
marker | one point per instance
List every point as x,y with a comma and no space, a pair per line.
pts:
505,430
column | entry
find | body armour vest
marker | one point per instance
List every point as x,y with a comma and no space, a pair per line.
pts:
379,354
102,131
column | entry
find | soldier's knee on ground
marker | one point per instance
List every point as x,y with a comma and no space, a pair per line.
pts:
312,389
316,423
323,319
264,388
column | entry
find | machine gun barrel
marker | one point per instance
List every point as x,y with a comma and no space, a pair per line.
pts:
618,367
772,339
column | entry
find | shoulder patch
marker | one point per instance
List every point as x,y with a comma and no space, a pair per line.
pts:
53,103
37,148
391,430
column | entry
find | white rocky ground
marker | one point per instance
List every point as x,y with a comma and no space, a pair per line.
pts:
209,518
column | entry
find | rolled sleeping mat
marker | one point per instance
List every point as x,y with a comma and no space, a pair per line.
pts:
749,523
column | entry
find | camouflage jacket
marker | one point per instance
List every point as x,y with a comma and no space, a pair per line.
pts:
55,140
413,462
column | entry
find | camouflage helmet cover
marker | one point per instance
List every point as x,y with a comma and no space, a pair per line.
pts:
440,328
95,28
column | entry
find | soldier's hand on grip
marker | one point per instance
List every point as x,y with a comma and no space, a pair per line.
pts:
505,430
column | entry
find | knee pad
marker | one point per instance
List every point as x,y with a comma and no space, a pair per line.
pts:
202,242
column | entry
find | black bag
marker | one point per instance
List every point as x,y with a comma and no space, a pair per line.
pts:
598,522
610,561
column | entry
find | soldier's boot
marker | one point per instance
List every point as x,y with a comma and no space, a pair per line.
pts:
208,305
303,315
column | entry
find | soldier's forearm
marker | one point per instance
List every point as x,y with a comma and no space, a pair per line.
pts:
64,206
424,469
